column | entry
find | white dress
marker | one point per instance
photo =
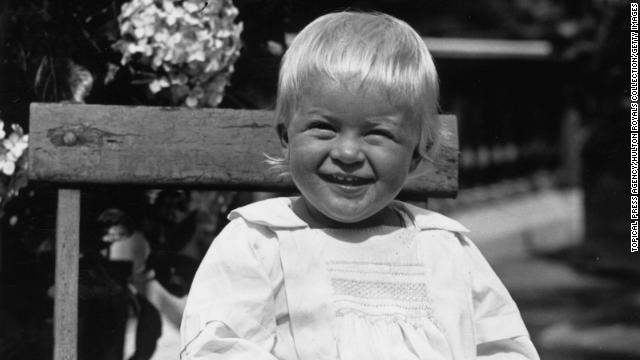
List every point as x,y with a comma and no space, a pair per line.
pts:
270,287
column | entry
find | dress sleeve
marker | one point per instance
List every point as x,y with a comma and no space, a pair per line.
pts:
500,331
517,348
230,311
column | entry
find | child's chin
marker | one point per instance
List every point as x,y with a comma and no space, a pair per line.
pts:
351,219
342,212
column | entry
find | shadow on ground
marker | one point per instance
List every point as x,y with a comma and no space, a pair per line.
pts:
571,313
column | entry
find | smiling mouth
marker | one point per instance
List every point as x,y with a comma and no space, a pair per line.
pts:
346,180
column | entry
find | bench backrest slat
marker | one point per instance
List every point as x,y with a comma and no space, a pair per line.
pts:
218,148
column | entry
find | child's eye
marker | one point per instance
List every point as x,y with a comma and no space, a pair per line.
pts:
382,132
321,127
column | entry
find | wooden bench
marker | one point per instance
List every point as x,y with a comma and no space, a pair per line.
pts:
73,146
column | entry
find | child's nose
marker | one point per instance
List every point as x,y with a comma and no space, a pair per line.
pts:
347,151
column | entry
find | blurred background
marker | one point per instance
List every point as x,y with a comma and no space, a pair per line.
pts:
539,88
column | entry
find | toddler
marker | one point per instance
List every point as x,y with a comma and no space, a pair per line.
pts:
345,271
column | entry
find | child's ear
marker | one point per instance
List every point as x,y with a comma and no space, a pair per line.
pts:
282,135
416,158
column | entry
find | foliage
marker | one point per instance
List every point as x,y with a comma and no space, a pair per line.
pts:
44,38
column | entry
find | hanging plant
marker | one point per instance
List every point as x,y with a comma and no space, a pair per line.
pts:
181,49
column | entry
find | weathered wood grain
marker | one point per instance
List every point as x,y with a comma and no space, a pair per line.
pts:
99,144
66,285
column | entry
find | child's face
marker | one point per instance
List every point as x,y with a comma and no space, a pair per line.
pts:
350,152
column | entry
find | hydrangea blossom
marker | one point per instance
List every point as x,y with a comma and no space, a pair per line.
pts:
190,45
13,148
13,163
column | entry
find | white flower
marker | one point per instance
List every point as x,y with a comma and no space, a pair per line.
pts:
149,30
196,55
218,43
158,84
7,166
230,11
180,79
191,6
128,9
213,65
11,151
19,148
157,59
174,39
191,101
172,16
161,36
15,144
168,6
138,32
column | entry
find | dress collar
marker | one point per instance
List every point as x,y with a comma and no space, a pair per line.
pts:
277,213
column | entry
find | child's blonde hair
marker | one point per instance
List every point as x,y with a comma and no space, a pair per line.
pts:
379,51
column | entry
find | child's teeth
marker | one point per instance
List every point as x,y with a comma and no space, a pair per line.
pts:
345,179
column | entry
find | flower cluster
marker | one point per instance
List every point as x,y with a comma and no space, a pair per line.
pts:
189,45
13,148
13,163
